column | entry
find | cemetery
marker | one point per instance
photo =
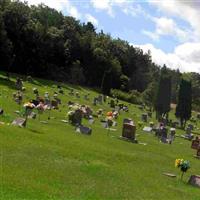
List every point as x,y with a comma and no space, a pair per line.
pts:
60,142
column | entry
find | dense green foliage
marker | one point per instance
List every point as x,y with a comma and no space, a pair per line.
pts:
40,41
163,96
184,109
131,97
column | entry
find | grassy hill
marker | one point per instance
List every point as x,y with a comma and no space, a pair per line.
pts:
52,161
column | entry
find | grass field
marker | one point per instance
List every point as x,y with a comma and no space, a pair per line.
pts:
52,161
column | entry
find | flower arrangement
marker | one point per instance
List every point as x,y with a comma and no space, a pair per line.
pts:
184,165
29,105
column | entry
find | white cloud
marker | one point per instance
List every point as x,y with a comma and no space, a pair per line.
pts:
126,6
167,26
93,20
60,5
185,57
186,10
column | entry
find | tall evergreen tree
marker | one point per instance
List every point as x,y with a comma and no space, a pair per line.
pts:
184,106
163,97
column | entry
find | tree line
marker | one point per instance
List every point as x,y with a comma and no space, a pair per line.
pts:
42,42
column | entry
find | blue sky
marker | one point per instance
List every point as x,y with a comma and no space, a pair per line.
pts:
169,28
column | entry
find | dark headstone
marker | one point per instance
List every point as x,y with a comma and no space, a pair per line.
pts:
196,143
129,131
85,130
144,117
164,135
194,180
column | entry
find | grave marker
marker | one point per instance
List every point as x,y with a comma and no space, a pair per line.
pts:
19,122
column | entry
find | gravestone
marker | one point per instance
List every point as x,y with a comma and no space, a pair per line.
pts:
194,180
1,111
95,100
19,122
85,130
100,99
29,79
32,115
164,135
198,115
71,92
190,126
129,131
196,144
144,117
174,124
172,135
54,104
147,129
104,123
188,133
19,84
151,124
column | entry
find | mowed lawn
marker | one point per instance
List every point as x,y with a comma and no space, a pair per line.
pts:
52,161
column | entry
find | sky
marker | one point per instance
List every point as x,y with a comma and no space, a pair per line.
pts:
170,29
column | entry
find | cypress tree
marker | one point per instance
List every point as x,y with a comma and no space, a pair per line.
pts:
184,106
163,97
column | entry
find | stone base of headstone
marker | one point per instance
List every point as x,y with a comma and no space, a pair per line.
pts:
169,175
128,139
84,130
194,180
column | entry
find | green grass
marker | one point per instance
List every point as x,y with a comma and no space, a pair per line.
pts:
52,161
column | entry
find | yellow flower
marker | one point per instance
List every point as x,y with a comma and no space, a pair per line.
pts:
178,162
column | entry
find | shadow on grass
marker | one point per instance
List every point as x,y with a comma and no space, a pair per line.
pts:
35,131
8,83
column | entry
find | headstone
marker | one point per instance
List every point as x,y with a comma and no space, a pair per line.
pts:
144,117
29,79
19,84
104,123
175,124
32,115
196,143
172,135
190,126
151,124
19,122
164,135
54,104
147,129
129,131
198,115
95,101
85,130
77,118
71,92
100,99
194,180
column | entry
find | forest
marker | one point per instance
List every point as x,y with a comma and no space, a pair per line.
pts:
41,42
